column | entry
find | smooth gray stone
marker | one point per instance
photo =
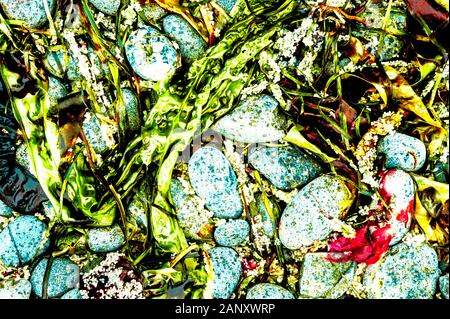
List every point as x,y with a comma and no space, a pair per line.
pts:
285,167
255,120
403,152
27,232
15,289
214,180
443,285
405,272
151,55
303,221
192,45
109,7
268,291
5,210
72,294
64,276
9,255
227,270
105,239
321,278
233,233
30,11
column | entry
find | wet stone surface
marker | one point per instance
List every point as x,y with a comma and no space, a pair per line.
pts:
255,120
402,152
268,291
406,272
214,180
109,7
227,271
443,285
102,240
285,167
320,278
303,220
232,233
30,11
64,276
15,289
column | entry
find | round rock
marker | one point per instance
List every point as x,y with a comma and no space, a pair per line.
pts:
285,167
443,285
255,120
15,289
109,7
303,221
8,252
191,44
60,62
268,291
64,276
105,239
227,271
72,294
30,11
151,55
5,210
130,113
56,89
227,5
214,180
403,152
406,272
232,233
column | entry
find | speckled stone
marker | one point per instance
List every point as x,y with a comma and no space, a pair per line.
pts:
30,11
60,62
443,285
72,294
109,7
320,278
151,55
152,12
105,239
227,270
23,158
405,272
233,233
302,221
8,252
255,120
136,210
5,210
15,289
268,224
214,180
27,233
268,291
227,5
403,152
192,46
56,89
285,167
130,113
64,276
93,131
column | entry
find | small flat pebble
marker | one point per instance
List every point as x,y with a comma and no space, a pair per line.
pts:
192,46
60,62
64,276
15,289
214,180
105,239
443,285
30,11
285,167
232,233
255,120
152,12
320,278
303,221
56,89
405,272
402,152
227,270
227,5
93,130
109,7
8,252
268,291
5,210
130,113
72,294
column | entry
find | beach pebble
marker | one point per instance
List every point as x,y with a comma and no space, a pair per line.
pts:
227,5
191,44
255,120
443,285
64,276
320,278
152,12
72,294
227,271
402,152
136,212
268,224
302,222
105,239
406,272
232,233
8,252
30,11
214,180
130,113
5,210
109,7
151,55
285,167
15,289
96,133
56,89
60,63
268,291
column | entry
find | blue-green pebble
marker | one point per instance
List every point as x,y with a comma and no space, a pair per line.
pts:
15,289
5,210
285,167
109,7
227,5
30,11
56,89
268,291
105,239
64,276
232,233
8,252
227,270
60,62
130,113
443,285
92,129
214,180
72,294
